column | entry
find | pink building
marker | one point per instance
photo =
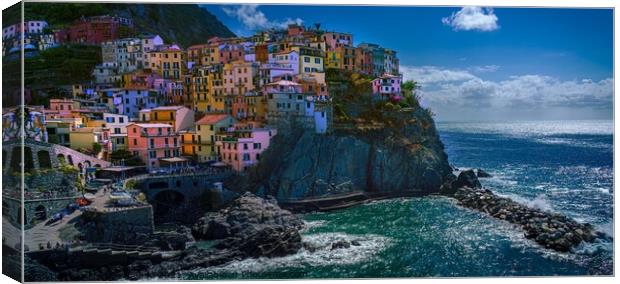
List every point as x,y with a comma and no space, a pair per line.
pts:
387,85
59,108
242,148
152,142
231,52
335,40
239,77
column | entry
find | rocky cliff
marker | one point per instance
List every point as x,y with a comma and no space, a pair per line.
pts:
401,153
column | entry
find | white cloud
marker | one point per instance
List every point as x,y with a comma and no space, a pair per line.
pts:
454,89
254,19
484,68
472,18
433,74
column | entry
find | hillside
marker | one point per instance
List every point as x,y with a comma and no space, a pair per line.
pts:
185,24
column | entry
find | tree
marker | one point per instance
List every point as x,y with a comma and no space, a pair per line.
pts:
409,90
96,148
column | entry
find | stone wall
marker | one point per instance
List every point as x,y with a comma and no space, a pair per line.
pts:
125,226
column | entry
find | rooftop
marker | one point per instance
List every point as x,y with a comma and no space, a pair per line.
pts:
150,125
211,119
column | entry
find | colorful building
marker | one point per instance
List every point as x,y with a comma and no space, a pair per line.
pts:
334,40
242,148
310,59
199,142
117,126
387,85
167,61
179,117
87,137
152,142
239,77
96,29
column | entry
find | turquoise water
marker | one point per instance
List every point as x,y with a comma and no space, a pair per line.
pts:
562,167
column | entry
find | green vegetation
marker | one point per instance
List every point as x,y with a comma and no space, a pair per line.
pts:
96,148
43,74
131,184
353,102
185,24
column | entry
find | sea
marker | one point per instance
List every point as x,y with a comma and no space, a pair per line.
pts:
557,166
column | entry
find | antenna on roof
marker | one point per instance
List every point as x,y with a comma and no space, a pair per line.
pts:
317,26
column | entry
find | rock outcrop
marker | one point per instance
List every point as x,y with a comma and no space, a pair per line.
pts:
249,227
550,230
245,216
482,174
406,155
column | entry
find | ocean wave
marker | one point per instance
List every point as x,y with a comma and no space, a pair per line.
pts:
532,128
323,255
599,172
573,142
314,224
539,202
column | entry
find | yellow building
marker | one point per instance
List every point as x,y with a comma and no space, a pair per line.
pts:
310,59
199,142
84,138
169,62
334,59
179,117
207,88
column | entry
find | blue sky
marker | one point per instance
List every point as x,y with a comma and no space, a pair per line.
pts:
475,63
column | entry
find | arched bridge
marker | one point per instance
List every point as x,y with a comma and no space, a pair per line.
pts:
42,155
183,187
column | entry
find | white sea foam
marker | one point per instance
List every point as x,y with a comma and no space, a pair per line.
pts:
314,224
322,256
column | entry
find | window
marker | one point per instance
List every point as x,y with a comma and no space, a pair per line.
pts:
317,60
245,146
246,157
306,59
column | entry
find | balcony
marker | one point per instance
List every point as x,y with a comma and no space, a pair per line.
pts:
163,134
163,146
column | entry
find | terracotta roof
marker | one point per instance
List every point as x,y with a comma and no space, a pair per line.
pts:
150,125
211,119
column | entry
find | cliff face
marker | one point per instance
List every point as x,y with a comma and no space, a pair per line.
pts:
404,154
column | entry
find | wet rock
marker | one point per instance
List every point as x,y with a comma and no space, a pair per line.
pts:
341,244
467,178
245,216
482,174
448,188
550,230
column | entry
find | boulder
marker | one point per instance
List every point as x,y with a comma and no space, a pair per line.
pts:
246,215
467,178
448,188
482,174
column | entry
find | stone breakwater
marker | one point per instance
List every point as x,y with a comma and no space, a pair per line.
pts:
550,230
